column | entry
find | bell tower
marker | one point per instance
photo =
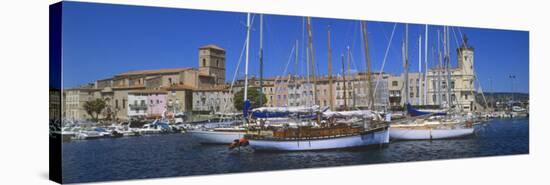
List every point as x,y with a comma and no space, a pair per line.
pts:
465,55
212,62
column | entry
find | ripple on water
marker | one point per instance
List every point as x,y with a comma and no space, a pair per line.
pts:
181,155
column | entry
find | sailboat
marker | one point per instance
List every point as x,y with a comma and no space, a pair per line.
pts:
427,125
323,132
228,135
421,112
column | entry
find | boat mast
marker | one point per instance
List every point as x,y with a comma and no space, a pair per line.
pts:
307,75
261,60
344,78
447,64
296,73
246,57
367,58
426,66
296,77
353,88
330,85
312,60
406,63
419,85
439,70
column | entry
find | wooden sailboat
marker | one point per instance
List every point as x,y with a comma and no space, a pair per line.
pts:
328,135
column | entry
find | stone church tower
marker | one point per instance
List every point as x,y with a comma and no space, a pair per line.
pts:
212,62
465,78
465,56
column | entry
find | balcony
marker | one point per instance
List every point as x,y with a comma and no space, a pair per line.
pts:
138,106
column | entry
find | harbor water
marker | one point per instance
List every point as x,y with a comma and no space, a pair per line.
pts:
180,155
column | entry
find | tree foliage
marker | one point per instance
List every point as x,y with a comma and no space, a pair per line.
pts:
253,96
94,108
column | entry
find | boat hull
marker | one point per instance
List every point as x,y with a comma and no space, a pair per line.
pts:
428,134
378,137
216,137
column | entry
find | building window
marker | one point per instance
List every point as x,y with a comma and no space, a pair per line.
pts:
124,103
218,63
394,83
466,97
116,104
203,62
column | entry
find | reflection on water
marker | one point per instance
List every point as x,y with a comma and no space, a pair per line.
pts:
180,155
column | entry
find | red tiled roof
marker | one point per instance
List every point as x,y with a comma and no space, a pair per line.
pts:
153,72
148,91
180,87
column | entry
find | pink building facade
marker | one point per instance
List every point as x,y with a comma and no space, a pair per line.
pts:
156,102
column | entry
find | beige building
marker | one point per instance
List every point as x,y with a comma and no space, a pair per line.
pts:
74,100
460,85
213,100
55,104
178,83
180,98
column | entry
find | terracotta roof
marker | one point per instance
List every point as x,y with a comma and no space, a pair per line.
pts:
153,72
180,87
148,91
126,87
211,46
81,89
215,88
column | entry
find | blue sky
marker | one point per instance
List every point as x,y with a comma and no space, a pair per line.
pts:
101,40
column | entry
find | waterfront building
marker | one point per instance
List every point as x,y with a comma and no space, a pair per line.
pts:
204,89
55,104
269,94
300,93
137,105
359,88
180,99
213,100
280,86
73,102
175,84
461,85
323,92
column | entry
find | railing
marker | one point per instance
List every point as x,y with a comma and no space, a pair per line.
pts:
139,106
